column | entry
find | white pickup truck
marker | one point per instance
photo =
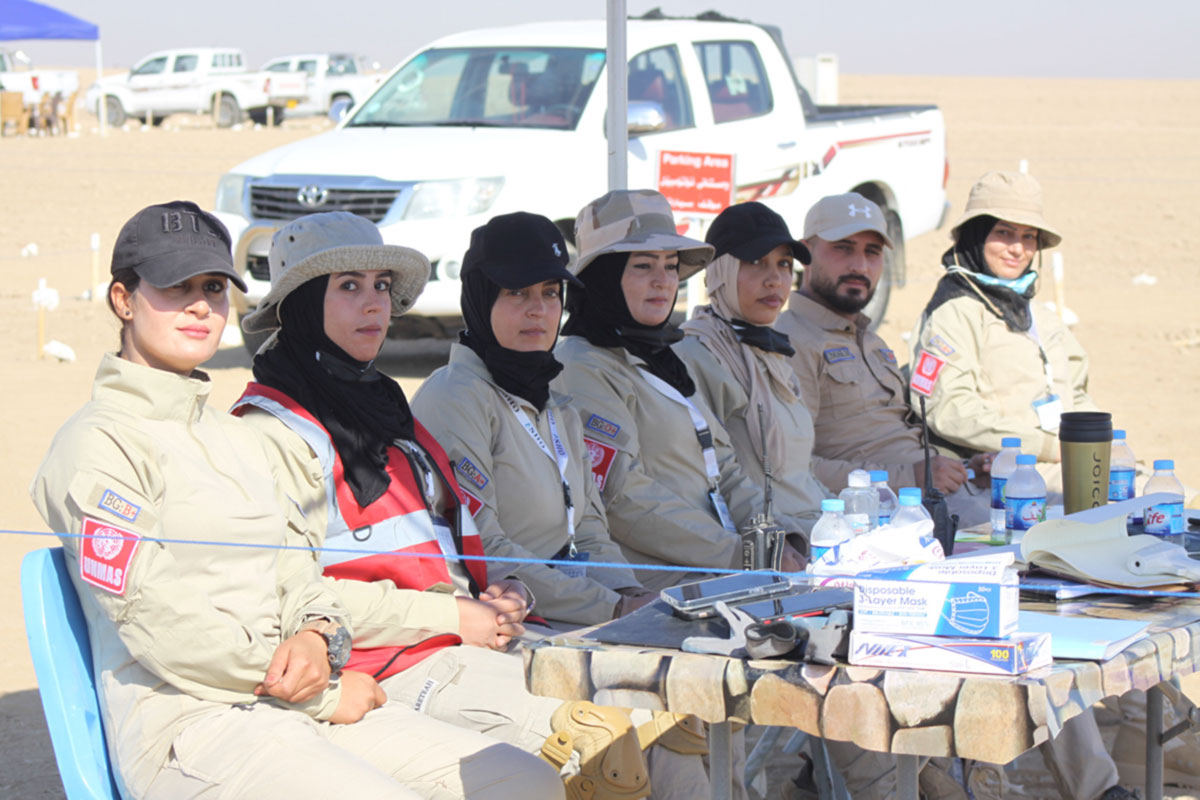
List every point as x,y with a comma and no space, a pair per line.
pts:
331,77
31,83
197,80
491,121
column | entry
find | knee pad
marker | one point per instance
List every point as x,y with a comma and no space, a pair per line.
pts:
681,733
611,764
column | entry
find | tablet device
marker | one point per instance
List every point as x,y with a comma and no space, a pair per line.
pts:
695,600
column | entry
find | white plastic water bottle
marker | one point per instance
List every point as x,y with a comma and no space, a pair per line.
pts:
1024,496
1121,470
910,509
888,502
831,529
1164,519
862,502
1002,469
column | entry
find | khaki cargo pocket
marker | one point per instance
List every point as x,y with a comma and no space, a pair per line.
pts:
841,391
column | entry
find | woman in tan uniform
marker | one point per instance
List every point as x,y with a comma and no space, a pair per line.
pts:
1012,367
740,363
218,666
517,444
672,487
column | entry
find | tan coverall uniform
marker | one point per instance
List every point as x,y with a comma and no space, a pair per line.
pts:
853,388
182,635
520,510
651,471
993,376
796,491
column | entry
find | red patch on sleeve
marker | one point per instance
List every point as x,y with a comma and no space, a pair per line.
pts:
473,502
105,553
602,456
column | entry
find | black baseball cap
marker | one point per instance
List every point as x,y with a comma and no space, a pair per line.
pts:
751,230
171,242
518,250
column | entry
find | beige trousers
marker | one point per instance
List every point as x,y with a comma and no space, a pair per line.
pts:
265,752
484,690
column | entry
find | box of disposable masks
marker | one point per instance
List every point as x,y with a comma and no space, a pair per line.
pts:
956,597
1013,655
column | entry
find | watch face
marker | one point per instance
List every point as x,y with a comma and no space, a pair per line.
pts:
338,645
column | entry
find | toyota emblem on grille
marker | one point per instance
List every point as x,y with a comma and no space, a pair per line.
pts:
312,196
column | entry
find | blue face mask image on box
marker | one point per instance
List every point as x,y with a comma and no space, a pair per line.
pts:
969,614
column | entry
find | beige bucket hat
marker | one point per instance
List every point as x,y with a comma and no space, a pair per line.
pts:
627,221
837,216
335,241
1012,197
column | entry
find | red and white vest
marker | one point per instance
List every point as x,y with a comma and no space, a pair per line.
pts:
357,538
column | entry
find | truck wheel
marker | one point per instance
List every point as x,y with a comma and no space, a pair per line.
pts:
342,96
893,270
259,115
114,112
226,112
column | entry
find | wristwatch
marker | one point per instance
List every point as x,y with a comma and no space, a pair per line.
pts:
337,640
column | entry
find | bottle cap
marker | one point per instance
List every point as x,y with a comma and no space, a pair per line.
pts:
879,476
1026,460
1010,441
833,505
912,499
1164,463
859,478
910,491
1118,434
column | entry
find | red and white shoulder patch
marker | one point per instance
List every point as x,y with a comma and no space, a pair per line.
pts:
602,456
473,502
105,554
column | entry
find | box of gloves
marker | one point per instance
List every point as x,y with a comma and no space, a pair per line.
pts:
1013,655
972,597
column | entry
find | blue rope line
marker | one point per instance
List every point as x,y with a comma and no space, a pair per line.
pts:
795,577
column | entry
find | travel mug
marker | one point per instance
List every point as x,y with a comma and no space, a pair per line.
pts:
1085,440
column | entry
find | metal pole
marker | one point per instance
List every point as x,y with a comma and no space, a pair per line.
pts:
617,124
1154,743
720,759
102,107
906,777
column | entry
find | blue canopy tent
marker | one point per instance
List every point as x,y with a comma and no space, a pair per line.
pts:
25,19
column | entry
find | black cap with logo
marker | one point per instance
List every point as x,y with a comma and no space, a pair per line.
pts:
169,243
518,250
751,230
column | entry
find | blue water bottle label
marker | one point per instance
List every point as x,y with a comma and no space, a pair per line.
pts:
1120,484
1022,513
1164,519
818,551
884,519
998,491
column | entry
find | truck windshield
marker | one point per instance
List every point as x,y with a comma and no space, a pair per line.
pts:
517,88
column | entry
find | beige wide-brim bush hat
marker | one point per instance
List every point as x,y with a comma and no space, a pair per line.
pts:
335,241
628,221
1012,197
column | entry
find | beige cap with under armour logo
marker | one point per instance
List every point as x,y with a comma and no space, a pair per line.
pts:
841,215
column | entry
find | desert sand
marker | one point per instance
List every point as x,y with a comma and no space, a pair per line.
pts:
1118,160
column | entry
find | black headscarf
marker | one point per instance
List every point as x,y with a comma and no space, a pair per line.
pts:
764,337
363,409
967,253
525,374
600,314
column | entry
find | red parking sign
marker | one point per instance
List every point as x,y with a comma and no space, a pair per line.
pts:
696,183
925,373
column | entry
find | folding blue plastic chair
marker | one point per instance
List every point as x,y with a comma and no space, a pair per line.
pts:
62,659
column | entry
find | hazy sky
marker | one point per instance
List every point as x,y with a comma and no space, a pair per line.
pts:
1041,38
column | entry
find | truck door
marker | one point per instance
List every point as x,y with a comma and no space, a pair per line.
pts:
185,90
656,78
147,82
763,131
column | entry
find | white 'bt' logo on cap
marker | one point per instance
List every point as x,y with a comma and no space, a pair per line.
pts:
866,211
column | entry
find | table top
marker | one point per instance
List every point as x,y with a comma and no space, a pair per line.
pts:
919,712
